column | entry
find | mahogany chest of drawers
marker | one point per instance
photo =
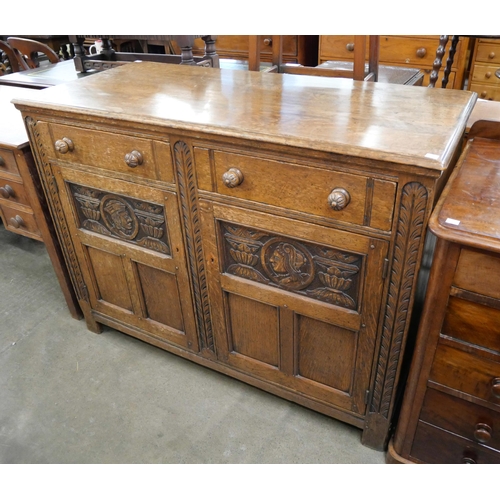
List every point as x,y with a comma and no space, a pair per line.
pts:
485,69
451,408
267,226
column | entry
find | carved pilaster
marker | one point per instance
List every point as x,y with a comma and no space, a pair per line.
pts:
192,236
404,263
52,194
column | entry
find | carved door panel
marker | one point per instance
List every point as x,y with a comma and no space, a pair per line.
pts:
295,303
129,245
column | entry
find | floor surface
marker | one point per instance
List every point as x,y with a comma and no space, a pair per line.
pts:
69,396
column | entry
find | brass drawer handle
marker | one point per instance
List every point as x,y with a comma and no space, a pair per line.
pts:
421,52
482,433
232,178
495,387
2,162
339,198
64,145
7,192
17,221
134,159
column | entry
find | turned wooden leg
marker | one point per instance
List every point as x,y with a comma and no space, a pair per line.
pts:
440,52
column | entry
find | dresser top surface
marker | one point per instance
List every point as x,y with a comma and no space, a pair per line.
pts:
402,124
469,209
12,130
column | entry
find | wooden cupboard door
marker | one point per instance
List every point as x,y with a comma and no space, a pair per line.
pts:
129,245
294,303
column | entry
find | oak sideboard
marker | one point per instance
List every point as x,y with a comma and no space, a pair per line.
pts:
267,226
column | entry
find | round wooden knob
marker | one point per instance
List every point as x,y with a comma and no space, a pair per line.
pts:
487,74
7,192
350,47
482,433
339,199
491,55
421,52
17,221
134,159
232,178
268,41
484,94
64,145
495,387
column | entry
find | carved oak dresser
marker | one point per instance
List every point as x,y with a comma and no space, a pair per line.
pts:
267,226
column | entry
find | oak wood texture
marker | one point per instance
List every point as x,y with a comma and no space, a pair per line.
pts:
417,51
273,229
485,69
451,407
23,208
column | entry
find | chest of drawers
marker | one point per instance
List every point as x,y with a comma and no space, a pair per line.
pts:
451,409
418,51
23,209
485,69
266,226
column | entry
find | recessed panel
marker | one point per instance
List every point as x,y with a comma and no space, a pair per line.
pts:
253,328
325,353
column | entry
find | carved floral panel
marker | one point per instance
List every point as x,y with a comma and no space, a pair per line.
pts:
323,273
127,219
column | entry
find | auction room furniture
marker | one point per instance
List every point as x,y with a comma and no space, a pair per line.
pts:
451,408
9,61
264,225
108,58
60,44
27,51
485,69
23,208
417,51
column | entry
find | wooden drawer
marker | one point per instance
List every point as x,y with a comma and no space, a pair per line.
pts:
20,221
306,189
478,272
8,162
473,422
12,191
466,372
436,446
112,151
488,92
461,322
488,74
488,52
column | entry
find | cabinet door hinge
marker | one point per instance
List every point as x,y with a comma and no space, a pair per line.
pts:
385,269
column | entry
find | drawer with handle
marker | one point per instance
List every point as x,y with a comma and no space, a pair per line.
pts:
13,191
8,162
20,221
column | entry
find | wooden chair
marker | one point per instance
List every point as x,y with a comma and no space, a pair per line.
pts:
359,71
27,51
10,60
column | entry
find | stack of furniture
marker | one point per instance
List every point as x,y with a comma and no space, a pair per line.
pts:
451,408
485,69
197,213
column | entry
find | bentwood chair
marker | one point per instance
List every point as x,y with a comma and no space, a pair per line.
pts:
27,51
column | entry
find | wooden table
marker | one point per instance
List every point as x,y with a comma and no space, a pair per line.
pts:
268,226
23,208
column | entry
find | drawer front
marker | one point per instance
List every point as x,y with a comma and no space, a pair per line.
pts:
488,52
468,373
8,162
337,47
485,73
473,323
13,191
103,150
307,189
414,52
478,272
19,221
435,446
461,417
488,92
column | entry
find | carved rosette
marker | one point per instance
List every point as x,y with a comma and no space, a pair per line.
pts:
319,272
404,263
121,217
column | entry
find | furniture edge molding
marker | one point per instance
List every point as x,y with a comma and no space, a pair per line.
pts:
51,191
191,226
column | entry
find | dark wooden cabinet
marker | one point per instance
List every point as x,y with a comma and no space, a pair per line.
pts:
267,226
451,409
